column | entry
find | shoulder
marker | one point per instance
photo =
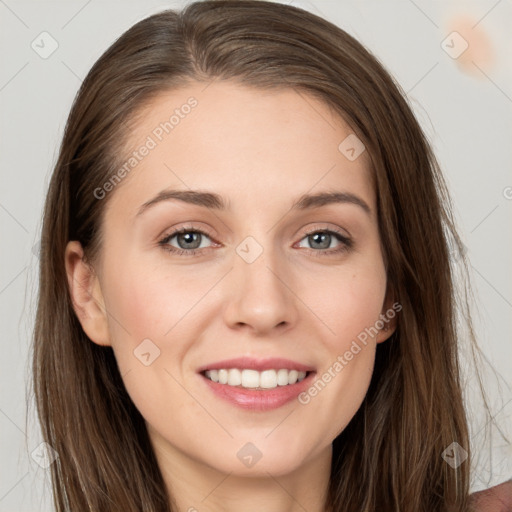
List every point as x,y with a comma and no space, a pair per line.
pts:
495,499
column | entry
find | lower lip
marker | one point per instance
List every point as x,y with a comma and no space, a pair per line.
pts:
259,399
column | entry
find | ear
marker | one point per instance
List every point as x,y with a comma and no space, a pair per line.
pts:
388,317
86,295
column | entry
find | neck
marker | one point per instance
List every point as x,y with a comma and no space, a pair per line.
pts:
197,487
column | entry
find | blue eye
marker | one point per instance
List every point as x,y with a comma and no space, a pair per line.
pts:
328,235
190,239
186,236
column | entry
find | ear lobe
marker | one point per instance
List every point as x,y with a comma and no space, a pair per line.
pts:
386,332
86,295
388,318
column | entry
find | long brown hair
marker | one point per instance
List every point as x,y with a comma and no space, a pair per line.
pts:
389,457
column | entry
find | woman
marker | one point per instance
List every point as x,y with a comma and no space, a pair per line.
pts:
251,369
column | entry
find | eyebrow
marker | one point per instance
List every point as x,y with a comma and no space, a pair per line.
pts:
217,202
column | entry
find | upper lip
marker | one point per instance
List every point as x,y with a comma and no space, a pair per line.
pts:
251,363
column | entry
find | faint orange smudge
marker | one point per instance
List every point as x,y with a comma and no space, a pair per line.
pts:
480,49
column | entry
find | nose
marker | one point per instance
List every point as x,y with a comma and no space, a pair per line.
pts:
261,297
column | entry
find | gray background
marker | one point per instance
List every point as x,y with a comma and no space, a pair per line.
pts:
465,111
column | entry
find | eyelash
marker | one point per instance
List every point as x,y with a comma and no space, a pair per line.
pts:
346,243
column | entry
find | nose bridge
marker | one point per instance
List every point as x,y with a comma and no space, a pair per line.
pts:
260,295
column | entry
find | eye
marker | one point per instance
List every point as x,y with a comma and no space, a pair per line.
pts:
189,240
322,239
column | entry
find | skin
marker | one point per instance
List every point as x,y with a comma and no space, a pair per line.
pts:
495,499
261,150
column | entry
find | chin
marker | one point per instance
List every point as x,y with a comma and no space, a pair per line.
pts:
258,459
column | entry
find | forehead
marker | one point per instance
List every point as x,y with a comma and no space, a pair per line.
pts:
247,144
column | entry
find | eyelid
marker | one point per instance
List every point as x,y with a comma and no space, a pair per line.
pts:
186,229
347,243
345,240
322,227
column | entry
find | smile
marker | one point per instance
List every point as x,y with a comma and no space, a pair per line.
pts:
253,379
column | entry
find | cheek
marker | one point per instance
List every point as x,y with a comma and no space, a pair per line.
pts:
155,316
349,308
147,316
149,303
348,302
141,312
142,309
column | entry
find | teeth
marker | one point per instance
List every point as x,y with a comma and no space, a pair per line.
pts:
252,379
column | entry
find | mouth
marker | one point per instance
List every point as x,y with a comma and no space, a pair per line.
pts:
254,373
255,380
257,385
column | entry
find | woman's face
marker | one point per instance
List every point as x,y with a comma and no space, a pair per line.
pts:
270,276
